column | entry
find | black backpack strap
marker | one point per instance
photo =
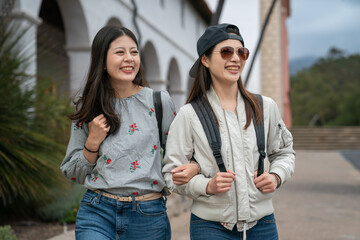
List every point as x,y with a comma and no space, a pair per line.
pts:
159,114
208,122
260,137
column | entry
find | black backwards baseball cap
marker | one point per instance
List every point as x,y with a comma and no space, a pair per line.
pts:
212,36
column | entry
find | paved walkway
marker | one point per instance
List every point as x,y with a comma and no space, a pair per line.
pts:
320,202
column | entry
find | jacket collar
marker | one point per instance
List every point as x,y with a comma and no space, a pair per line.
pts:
216,105
214,100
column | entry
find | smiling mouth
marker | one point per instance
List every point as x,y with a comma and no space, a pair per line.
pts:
127,68
233,68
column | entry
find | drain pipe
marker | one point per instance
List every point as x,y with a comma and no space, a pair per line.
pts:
135,22
215,18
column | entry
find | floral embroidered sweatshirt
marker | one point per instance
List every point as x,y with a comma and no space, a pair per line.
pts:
129,161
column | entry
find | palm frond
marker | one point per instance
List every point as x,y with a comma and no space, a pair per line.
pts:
33,126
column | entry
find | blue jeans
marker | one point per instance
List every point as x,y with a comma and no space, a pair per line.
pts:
201,229
100,218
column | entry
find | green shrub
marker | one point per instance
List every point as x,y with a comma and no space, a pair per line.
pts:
64,208
7,233
70,216
34,131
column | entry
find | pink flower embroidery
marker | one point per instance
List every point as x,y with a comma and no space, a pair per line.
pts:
133,128
154,149
154,183
151,112
78,126
134,165
94,178
108,160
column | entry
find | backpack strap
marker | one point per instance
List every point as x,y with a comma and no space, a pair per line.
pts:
208,122
260,137
159,114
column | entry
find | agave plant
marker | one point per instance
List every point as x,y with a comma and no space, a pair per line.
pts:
33,130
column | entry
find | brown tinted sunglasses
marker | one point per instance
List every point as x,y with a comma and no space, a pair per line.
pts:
227,52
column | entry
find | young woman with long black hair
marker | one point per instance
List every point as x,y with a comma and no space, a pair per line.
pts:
238,202
114,148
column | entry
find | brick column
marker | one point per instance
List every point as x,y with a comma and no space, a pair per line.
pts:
271,54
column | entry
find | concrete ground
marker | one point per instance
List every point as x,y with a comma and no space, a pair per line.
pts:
320,202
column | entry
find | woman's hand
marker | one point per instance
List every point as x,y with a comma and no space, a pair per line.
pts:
221,182
98,129
266,182
183,173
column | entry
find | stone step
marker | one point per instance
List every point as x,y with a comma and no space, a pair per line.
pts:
330,138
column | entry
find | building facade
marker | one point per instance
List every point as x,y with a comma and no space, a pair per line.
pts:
61,31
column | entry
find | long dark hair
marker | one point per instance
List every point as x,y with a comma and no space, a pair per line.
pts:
203,82
98,94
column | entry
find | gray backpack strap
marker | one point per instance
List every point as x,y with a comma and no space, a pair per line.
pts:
208,122
260,137
159,115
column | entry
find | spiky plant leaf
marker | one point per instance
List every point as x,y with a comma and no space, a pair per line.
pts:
33,130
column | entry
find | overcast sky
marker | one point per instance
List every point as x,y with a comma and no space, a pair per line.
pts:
315,26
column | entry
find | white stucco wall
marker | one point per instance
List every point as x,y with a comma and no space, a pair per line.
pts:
26,19
172,30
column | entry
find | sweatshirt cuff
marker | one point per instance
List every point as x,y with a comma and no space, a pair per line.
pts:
86,162
281,172
199,185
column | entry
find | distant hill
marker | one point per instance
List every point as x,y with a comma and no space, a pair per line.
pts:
297,64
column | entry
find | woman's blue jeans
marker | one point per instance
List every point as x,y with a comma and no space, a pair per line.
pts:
201,229
100,218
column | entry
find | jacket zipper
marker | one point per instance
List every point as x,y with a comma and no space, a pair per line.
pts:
232,159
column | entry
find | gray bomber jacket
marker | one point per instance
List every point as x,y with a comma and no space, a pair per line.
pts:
244,202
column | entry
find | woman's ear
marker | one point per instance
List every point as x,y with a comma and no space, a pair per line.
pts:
205,61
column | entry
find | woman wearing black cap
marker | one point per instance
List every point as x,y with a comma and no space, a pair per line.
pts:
236,202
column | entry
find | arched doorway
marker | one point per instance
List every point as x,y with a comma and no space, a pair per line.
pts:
151,67
52,59
114,22
174,84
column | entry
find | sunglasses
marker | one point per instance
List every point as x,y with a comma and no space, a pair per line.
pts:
227,52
